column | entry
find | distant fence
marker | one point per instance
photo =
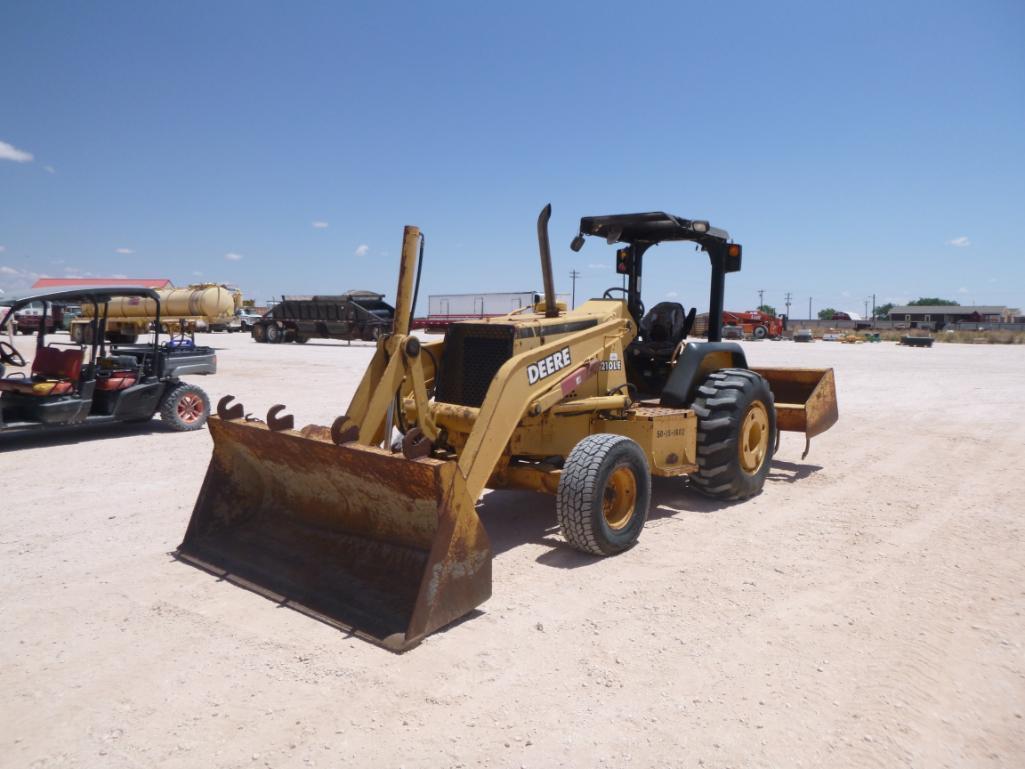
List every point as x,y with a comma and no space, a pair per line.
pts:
883,325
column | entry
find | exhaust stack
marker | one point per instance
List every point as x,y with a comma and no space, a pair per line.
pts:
551,310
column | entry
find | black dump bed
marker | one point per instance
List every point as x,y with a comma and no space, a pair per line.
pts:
352,315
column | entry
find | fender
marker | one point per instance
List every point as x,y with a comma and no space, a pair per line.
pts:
698,360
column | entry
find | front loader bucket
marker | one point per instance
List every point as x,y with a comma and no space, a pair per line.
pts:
364,539
805,399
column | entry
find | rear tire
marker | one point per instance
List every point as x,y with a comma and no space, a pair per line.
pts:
604,493
274,333
260,333
736,433
185,408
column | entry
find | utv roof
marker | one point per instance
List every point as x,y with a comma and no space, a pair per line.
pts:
652,227
77,294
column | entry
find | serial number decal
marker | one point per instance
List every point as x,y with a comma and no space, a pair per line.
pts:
548,366
613,363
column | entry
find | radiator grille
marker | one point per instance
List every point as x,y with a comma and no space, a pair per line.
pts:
473,354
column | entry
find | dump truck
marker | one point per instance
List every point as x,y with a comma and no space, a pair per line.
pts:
182,309
353,315
370,524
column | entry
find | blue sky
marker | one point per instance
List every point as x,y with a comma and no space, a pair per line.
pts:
853,148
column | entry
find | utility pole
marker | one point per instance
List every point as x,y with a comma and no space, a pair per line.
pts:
787,303
866,309
809,308
873,306
761,301
573,275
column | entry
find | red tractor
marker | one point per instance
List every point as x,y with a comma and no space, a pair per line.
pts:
756,323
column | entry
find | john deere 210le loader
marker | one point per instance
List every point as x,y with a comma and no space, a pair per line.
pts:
371,524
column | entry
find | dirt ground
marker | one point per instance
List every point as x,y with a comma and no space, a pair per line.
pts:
864,611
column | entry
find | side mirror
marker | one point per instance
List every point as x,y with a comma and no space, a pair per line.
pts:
578,243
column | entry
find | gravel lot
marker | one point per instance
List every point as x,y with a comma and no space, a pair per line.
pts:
865,610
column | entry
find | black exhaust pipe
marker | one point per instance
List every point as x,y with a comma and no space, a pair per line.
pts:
551,310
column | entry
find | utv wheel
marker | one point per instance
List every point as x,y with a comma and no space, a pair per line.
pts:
274,333
185,408
736,434
260,333
603,496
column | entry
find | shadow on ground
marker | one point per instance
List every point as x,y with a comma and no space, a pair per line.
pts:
513,517
66,436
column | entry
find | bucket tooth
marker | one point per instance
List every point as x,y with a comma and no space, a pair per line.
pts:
276,423
225,412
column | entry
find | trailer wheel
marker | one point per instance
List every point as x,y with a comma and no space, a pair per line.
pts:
260,333
736,433
761,332
185,408
603,496
274,333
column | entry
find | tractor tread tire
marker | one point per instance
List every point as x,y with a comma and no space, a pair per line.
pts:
722,401
578,503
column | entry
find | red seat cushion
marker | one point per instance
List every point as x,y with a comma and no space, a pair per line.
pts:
54,372
36,386
118,380
51,363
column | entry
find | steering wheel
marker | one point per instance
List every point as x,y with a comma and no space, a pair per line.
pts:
620,289
10,356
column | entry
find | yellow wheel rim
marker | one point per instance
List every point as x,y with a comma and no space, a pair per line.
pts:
620,498
754,438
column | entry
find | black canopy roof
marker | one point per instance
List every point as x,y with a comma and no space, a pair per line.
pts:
94,294
651,227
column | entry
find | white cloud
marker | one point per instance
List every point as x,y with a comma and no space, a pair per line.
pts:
2,249
362,250
124,251
962,290
4,269
10,152
231,256
197,273
50,169
845,294
672,294
320,225
598,266
118,275
961,242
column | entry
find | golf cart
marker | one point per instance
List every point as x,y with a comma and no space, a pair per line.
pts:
82,384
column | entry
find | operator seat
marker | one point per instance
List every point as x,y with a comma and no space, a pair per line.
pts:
664,326
54,372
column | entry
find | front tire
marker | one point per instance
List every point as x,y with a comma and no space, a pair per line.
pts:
761,332
185,408
603,495
260,333
274,333
736,434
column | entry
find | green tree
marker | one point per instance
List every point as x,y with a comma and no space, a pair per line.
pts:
827,313
883,310
768,310
935,301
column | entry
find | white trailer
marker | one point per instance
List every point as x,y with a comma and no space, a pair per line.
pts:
443,309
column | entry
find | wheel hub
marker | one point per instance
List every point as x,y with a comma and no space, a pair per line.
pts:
620,498
754,438
190,407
